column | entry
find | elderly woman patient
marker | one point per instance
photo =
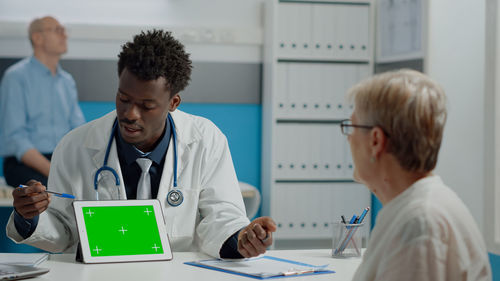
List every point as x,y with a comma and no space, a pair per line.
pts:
424,231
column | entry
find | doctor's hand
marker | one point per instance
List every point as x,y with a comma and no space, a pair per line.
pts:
31,201
256,237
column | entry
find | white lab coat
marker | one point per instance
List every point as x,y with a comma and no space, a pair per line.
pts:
212,209
425,233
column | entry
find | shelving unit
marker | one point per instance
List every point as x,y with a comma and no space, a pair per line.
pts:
314,51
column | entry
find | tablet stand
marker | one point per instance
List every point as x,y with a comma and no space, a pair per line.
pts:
79,255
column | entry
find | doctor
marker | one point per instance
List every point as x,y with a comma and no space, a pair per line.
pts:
146,149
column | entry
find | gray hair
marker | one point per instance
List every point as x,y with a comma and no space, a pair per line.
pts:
411,109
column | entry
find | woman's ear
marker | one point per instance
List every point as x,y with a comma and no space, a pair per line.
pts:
174,102
378,141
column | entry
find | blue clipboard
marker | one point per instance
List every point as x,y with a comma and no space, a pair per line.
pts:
263,267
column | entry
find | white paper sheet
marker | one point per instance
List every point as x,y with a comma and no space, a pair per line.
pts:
263,266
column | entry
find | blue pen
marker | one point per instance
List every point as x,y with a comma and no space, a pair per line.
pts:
362,217
352,221
63,195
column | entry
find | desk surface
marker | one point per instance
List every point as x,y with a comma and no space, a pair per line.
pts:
64,267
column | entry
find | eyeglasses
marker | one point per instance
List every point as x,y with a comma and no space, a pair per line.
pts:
347,127
57,29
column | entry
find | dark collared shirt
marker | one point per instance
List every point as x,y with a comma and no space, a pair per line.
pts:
127,154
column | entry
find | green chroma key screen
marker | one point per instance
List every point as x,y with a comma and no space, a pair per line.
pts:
122,230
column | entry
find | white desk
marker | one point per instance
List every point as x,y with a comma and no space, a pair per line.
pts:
64,267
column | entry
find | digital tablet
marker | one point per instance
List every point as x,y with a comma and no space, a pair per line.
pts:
121,231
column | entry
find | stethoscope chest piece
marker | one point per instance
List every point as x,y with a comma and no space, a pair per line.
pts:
175,197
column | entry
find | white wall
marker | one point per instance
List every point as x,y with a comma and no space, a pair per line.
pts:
215,30
239,13
456,59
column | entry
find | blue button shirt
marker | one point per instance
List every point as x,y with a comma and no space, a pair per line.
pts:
36,108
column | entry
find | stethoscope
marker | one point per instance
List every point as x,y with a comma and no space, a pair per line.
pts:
174,196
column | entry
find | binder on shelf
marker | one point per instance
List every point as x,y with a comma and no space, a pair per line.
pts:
343,31
317,107
280,152
314,138
351,44
295,24
286,26
338,74
348,166
364,33
325,147
291,149
302,93
283,37
293,83
304,30
350,80
330,36
325,91
321,30
302,212
281,98
338,153
279,161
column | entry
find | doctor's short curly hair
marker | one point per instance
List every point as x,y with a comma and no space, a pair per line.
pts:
153,54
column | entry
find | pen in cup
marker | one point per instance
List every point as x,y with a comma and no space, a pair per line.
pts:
353,220
358,220
62,195
343,219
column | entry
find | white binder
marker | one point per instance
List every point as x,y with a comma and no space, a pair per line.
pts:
304,30
363,18
315,91
282,94
286,13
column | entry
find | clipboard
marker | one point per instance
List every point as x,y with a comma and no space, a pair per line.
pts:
263,267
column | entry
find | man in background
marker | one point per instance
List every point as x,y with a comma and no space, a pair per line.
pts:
38,105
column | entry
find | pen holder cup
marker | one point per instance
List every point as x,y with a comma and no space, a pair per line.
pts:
347,239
